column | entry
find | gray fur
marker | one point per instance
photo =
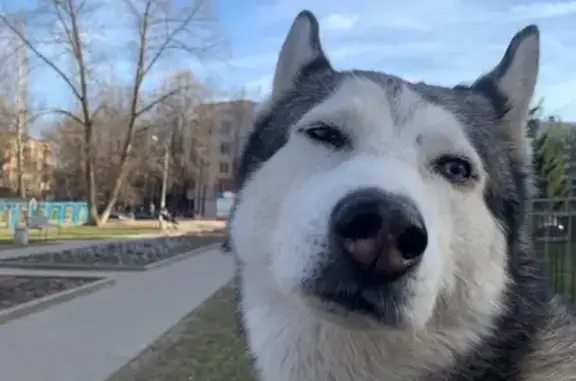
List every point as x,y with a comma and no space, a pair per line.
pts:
531,336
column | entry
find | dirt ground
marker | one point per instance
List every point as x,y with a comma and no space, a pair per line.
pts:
15,290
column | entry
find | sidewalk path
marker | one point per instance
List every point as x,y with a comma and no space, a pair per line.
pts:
90,337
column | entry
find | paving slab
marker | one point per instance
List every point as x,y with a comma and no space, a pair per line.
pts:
91,337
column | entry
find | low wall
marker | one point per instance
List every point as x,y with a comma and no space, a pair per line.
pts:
13,213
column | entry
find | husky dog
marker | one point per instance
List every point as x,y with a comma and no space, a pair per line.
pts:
379,229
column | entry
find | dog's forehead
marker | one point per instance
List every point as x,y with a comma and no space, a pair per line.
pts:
474,112
375,106
470,108
372,105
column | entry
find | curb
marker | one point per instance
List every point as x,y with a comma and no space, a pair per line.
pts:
71,266
38,305
179,257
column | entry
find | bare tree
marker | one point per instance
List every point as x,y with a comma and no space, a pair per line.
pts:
67,137
21,103
173,134
161,29
167,133
109,130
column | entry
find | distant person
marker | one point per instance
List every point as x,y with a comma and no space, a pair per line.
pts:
166,216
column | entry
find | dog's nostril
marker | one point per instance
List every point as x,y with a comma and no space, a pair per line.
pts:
412,242
360,226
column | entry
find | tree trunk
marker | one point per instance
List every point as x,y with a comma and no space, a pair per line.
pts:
111,200
21,110
20,160
91,194
90,180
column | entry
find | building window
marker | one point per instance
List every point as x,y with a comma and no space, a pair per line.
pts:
224,167
226,128
225,148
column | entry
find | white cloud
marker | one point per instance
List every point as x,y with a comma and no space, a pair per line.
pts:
412,14
380,51
440,41
544,10
338,22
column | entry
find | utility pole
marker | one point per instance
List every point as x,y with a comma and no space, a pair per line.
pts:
21,105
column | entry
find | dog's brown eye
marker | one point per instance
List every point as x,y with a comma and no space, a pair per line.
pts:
328,135
455,169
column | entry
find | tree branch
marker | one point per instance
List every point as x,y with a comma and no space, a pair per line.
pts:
183,25
39,54
60,16
65,113
79,58
100,107
161,99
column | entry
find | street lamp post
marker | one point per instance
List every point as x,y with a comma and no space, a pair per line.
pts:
165,168
164,178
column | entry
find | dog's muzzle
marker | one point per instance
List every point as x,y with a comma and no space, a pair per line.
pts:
381,233
375,239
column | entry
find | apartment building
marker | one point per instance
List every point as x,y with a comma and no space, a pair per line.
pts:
230,138
225,127
39,162
230,124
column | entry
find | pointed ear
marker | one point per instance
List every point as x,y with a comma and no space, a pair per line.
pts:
512,82
301,53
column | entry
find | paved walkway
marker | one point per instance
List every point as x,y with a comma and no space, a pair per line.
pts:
90,337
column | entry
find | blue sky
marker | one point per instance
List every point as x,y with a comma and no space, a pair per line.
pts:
438,41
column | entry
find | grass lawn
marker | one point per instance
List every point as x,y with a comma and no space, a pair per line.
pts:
203,346
111,230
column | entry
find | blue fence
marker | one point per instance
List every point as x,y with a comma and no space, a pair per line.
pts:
13,213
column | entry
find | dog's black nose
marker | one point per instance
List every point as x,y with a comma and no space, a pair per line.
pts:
381,231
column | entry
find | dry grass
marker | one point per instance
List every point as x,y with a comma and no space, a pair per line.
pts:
204,346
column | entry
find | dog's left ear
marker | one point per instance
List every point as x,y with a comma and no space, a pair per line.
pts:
515,80
301,54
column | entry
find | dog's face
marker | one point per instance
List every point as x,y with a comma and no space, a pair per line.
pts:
376,201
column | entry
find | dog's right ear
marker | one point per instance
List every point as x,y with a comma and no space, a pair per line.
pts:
301,54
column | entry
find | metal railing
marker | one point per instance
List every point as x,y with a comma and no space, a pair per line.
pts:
552,223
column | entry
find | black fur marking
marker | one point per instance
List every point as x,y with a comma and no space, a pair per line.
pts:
490,90
317,65
260,147
486,87
346,274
